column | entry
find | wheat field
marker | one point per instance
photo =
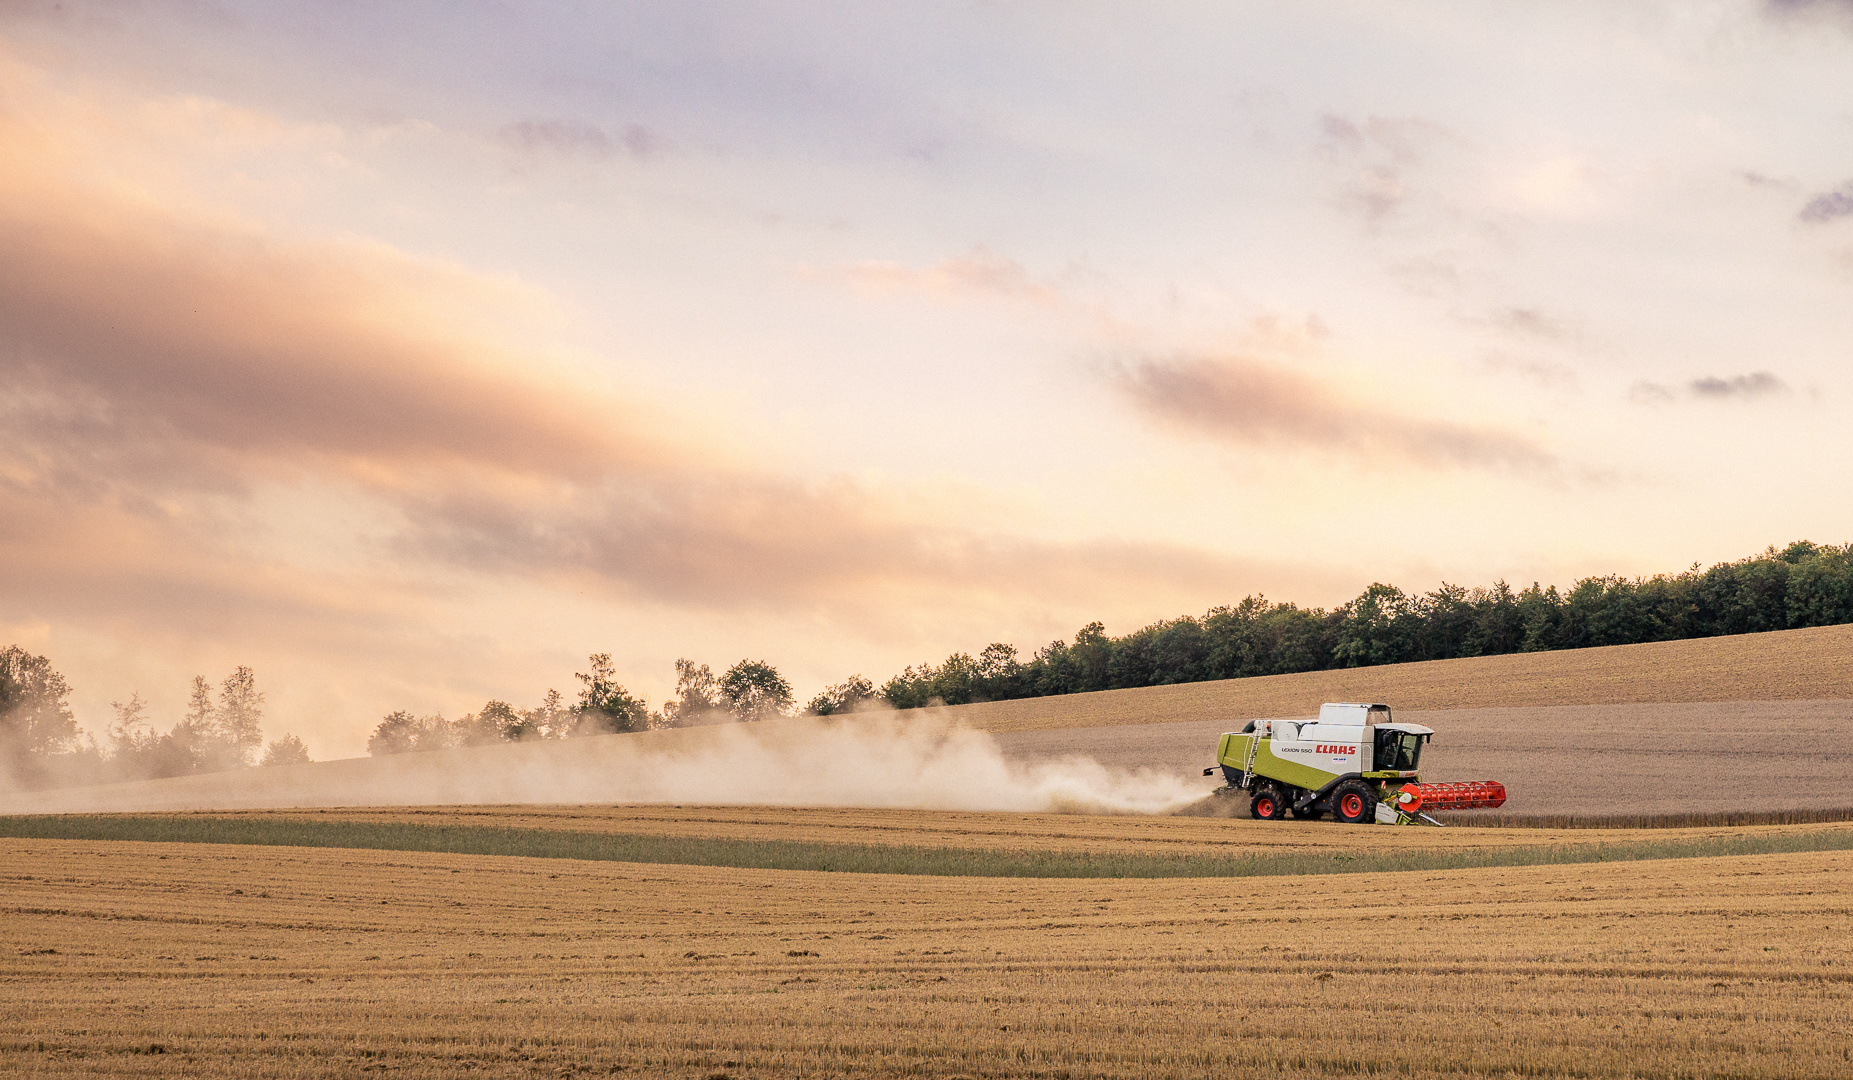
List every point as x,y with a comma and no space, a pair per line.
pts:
159,960
122,958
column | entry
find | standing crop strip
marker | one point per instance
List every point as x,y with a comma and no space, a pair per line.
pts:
990,861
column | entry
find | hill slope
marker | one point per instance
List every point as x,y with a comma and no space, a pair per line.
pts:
1664,728
1788,665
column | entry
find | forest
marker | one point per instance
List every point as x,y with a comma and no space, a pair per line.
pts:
1803,584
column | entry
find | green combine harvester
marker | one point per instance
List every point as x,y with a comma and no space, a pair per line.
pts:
1353,762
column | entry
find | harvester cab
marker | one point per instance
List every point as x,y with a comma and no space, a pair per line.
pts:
1354,762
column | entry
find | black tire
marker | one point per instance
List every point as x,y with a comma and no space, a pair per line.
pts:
1354,802
1268,805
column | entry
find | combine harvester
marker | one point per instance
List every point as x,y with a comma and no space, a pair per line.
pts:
1353,762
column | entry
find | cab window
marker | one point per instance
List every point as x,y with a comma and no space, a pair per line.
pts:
1398,750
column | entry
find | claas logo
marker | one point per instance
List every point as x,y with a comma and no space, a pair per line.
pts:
1324,749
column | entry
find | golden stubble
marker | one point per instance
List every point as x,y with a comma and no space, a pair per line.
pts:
154,960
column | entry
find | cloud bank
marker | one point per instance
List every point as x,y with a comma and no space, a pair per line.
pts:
533,136
1751,387
1253,403
170,376
1829,206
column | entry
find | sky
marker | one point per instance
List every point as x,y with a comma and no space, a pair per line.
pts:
409,353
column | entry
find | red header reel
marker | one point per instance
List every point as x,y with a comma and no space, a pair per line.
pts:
1474,795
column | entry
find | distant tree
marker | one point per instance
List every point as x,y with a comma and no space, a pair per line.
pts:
998,672
215,735
393,735
1061,668
1498,627
135,749
434,733
754,690
35,714
911,689
131,725
549,720
1091,657
953,682
1821,589
497,722
1377,627
842,697
194,743
698,697
202,714
604,706
403,733
240,715
288,750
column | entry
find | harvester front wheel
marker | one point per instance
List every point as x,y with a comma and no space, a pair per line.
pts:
1354,802
1268,805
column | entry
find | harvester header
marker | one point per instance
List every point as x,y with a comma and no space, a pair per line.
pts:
1354,762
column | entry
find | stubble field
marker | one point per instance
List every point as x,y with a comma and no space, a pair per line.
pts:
704,941
1595,760
123,959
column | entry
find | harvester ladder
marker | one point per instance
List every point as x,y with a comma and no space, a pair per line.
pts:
1248,763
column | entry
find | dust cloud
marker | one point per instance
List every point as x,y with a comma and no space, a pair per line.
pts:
879,761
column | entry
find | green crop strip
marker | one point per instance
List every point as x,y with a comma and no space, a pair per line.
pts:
1702,819
866,858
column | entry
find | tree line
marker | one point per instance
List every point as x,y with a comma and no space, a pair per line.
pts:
1804,584
750,690
41,744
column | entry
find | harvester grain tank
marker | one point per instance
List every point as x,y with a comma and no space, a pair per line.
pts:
1354,762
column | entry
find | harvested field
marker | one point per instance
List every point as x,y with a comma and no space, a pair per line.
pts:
132,960
1586,759
1787,665
1707,757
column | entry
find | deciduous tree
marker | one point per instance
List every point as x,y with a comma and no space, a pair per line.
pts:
402,733
605,707
843,697
754,690
698,697
288,750
240,715
35,712
496,722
